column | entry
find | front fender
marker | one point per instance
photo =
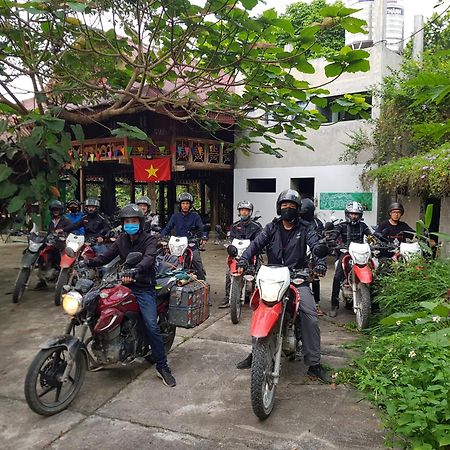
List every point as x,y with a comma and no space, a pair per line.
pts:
29,259
67,261
364,274
264,318
72,343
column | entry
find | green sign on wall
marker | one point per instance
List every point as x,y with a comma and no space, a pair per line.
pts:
336,201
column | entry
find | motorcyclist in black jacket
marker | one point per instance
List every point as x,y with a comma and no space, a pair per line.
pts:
285,239
307,213
134,239
244,228
352,230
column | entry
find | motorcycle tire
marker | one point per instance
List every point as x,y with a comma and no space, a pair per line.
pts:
168,332
43,374
235,299
363,312
63,279
262,387
21,284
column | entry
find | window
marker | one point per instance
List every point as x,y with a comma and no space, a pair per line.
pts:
304,186
341,116
261,185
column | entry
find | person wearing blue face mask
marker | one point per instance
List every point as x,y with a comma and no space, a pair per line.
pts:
134,239
244,228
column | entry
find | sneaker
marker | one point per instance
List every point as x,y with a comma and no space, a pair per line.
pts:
334,311
245,363
41,284
166,376
225,303
318,372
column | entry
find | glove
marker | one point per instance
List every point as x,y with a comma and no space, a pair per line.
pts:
320,270
242,263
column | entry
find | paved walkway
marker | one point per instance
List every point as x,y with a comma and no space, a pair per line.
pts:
128,407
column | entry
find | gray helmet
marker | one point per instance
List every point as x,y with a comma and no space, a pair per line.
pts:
289,195
132,210
396,205
185,197
144,200
307,209
354,207
245,204
56,204
73,202
92,202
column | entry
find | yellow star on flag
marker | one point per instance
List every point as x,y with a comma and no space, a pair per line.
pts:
152,171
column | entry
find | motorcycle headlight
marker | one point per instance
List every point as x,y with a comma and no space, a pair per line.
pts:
270,290
34,246
177,250
70,252
360,258
72,302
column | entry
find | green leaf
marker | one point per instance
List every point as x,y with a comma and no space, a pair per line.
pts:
304,66
362,65
354,25
5,172
78,7
78,132
429,305
428,215
7,189
131,131
321,102
249,4
333,70
441,236
54,124
401,317
15,204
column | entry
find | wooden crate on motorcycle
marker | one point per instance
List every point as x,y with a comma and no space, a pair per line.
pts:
189,304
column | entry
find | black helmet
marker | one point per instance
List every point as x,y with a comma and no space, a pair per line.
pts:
132,210
73,202
353,207
144,200
396,205
185,197
245,204
56,204
307,209
289,195
92,202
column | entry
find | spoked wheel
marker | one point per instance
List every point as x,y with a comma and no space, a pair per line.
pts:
235,299
21,284
45,393
168,332
263,388
362,307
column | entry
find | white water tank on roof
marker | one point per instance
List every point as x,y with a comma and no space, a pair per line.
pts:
395,21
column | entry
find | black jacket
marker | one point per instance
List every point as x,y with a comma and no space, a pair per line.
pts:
293,254
94,226
352,233
401,231
145,244
245,230
64,223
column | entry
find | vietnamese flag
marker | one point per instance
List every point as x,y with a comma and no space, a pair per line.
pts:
150,170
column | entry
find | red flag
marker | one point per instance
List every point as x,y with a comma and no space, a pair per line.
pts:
150,170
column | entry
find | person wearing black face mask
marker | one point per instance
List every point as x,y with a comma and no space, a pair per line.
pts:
75,215
285,239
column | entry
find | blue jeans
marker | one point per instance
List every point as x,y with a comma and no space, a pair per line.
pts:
146,298
99,248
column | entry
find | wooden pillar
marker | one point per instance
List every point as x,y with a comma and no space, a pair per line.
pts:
202,198
132,188
214,200
108,194
151,192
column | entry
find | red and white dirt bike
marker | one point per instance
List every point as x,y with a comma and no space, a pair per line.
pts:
358,268
274,329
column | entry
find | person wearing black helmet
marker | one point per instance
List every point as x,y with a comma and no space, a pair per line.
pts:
352,230
285,239
95,225
307,212
134,239
183,222
393,228
151,219
75,215
244,228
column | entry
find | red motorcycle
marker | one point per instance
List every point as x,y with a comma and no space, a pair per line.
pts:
274,329
111,314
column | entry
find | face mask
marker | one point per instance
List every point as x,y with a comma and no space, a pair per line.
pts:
73,210
244,218
288,214
131,228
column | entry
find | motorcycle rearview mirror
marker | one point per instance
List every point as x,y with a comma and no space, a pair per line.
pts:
321,250
133,258
232,251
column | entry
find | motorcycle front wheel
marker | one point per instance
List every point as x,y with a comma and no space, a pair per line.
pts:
262,388
44,392
362,307
235,299
63,279
21,284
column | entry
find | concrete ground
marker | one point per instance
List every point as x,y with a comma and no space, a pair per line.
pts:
128,407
